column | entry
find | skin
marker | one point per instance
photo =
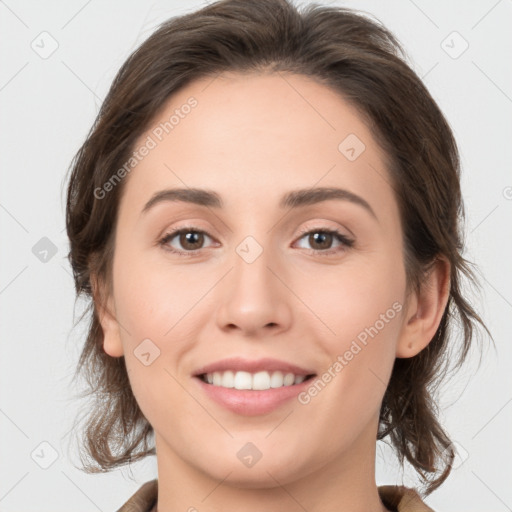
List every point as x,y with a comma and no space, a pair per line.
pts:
252,138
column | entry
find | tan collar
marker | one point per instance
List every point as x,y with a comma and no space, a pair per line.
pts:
396,498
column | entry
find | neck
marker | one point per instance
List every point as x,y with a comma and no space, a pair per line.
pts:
344,483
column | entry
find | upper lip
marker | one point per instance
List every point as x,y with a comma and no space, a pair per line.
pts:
253,366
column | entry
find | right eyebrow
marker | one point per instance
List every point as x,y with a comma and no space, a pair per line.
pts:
189,195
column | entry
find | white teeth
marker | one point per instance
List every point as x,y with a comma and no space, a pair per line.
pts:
289,379
258,381
299,379
277,380
228,380
217,378
243,380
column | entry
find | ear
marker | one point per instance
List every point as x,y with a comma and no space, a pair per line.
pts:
105,306
424,310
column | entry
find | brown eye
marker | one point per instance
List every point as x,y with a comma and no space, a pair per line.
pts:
191,240
320,240
185,240
326,241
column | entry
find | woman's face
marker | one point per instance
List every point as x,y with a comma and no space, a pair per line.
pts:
261,275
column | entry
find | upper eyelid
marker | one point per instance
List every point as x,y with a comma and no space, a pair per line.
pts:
318,226
197,229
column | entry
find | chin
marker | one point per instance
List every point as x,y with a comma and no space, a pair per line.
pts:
268,472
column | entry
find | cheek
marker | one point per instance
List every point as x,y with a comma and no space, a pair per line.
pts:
360,356
356,295
156,307
151,299
360,306
151,306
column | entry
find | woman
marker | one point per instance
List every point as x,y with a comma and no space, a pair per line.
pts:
266,215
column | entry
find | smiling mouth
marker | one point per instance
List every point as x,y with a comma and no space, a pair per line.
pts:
258,381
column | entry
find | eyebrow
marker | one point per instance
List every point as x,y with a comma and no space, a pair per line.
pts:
293,199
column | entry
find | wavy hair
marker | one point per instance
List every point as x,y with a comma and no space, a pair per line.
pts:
360,59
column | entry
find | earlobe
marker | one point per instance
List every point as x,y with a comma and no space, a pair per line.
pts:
425,310
105,309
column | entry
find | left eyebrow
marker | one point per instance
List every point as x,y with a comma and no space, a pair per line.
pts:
308,196
291,200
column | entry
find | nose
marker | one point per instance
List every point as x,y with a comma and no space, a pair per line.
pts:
254,299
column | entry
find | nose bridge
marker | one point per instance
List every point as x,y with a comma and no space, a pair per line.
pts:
254,298
251,266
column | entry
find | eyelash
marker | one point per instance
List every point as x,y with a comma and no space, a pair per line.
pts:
343,239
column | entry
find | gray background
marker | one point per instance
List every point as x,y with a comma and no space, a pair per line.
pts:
48,104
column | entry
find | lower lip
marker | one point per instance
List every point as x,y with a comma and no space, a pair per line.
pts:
247,402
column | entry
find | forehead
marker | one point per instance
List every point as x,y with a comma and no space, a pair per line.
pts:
238,133
248,111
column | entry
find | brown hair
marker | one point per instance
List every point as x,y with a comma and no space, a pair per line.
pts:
363,62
